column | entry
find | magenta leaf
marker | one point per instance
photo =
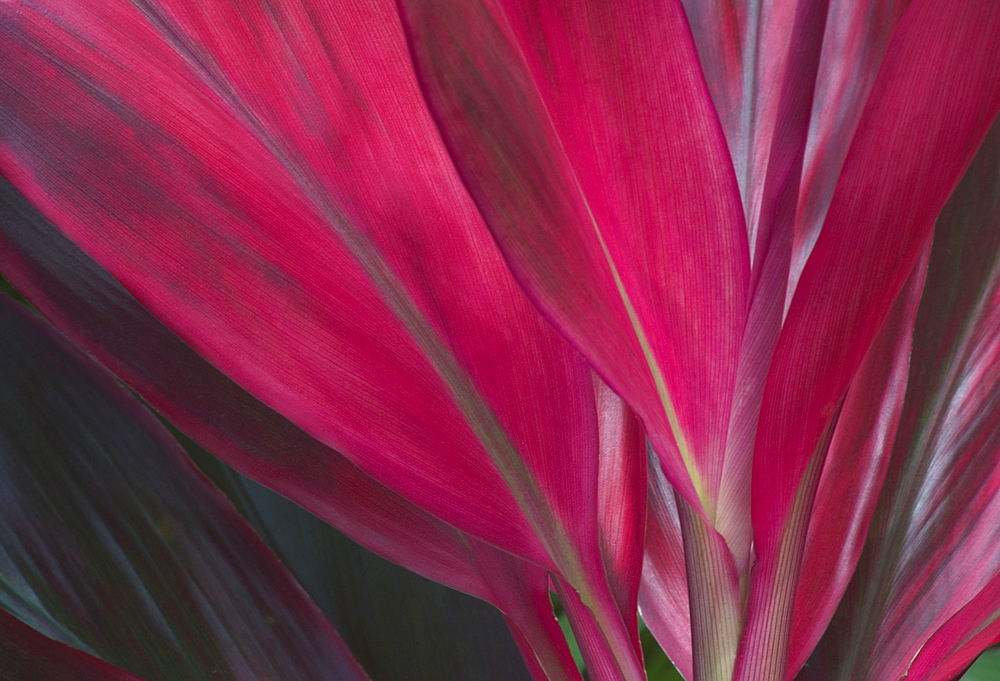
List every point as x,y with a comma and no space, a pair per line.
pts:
113,542
90,306
933,548
875,229
294,262
853,472
104,318
587,138
28,655
663,593
621,499
857,36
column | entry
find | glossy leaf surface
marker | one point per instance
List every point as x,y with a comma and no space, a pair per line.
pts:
80,296
113,542
875,229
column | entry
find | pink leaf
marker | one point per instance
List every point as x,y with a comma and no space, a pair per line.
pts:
621,499
933,543
663,594
300,226
587,138
853,472
929,109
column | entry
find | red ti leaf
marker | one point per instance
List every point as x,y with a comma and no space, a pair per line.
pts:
930,107
104,318
663,593
587,138
932,549
294,261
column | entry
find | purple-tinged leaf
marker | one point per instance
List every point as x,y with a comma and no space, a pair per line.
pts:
112,541
724,32
853,472
931,105
266,181
397,624
99,314
587,138
538,673
521,590
96,312
27,655
663,592
857,35
933,543
960,640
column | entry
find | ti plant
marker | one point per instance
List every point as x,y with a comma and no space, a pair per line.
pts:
685,309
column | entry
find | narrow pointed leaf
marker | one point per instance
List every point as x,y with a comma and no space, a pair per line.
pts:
663,593
292,259
90,306
766,639
771,224
114,542
587,138
929,110
960,640
857,35
397,623
933,542
27,655
103,317
853,472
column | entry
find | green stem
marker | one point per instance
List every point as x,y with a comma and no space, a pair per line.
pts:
714,596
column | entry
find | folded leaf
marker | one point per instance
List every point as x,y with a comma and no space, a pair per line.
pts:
621,499
113,542
587,138
774,187
267,182
960,640
857,35
853,472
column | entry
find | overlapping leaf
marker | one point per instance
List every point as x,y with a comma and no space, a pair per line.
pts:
27,655
266,182
99,314
397,624
114,543
932,547
586,136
